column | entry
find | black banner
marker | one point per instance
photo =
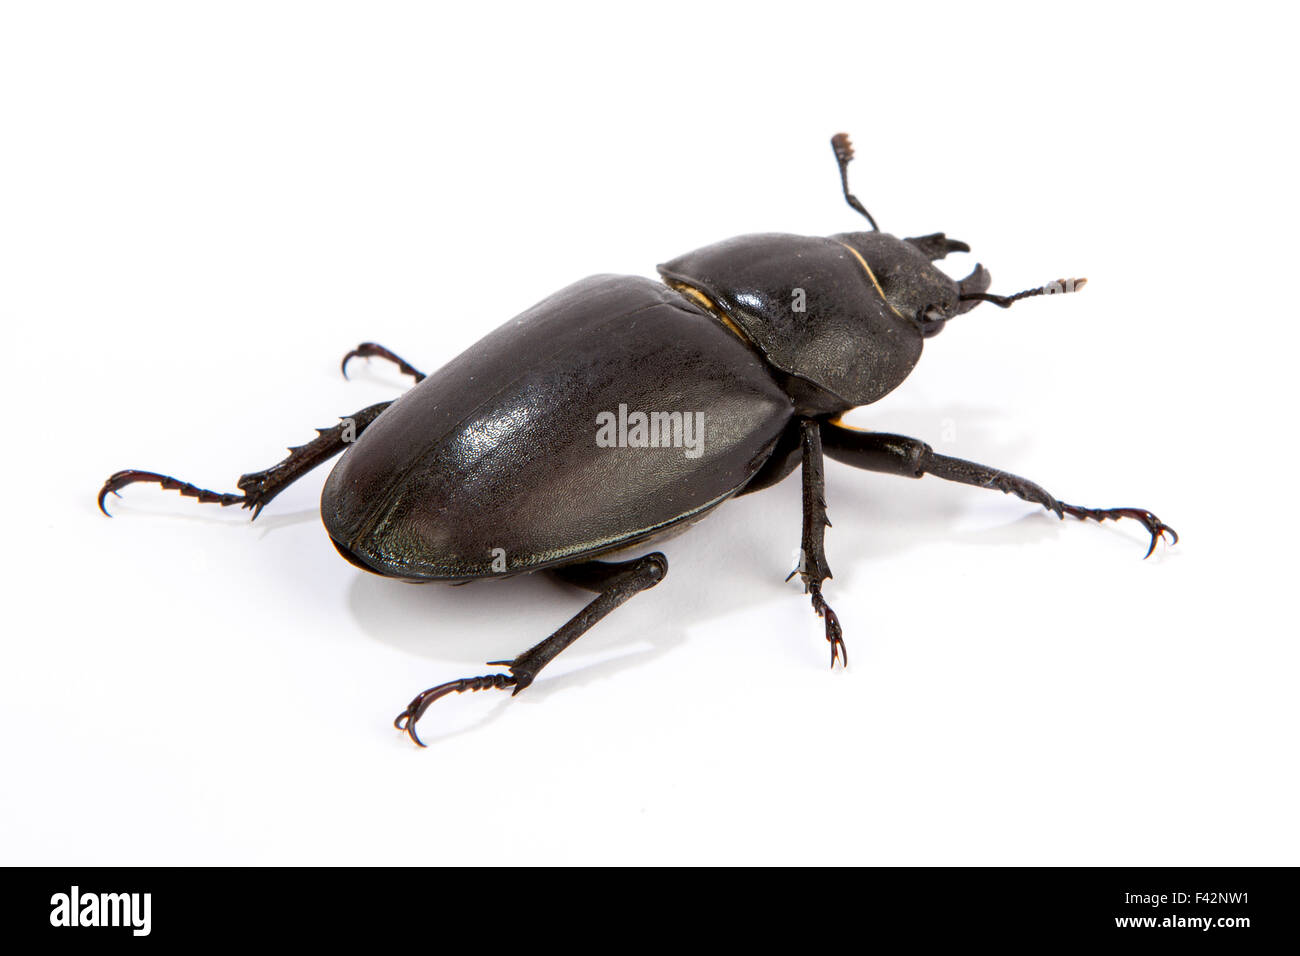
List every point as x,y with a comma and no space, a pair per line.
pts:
1232,907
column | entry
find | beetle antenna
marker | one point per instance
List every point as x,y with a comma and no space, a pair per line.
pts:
844,155
1057,287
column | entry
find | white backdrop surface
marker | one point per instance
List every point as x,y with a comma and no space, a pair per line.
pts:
202,208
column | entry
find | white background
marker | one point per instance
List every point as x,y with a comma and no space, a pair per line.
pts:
203,207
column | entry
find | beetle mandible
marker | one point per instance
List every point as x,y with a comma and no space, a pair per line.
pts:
668,397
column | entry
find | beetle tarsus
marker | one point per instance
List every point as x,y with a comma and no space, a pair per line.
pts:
834,633
375,350
406,720
254,486
1155,527
130,476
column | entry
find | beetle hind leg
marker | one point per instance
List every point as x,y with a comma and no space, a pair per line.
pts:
615,583
256,489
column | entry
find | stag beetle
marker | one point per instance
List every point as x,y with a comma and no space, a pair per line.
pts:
622,408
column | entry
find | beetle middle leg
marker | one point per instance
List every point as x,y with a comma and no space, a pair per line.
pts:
911,458
375,350
257,488
813,567
615,583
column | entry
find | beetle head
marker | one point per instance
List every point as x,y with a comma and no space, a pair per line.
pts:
910,283
902,273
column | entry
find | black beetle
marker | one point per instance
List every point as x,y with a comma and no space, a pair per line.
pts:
620,409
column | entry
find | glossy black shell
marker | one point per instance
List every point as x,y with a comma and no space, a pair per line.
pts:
497,450
848,347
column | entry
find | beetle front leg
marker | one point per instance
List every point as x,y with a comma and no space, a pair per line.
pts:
911,458
257,488
615,583
813,567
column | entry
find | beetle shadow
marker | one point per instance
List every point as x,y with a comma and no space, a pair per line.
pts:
203,514
736,560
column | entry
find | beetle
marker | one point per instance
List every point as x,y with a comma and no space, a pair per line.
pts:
621,409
